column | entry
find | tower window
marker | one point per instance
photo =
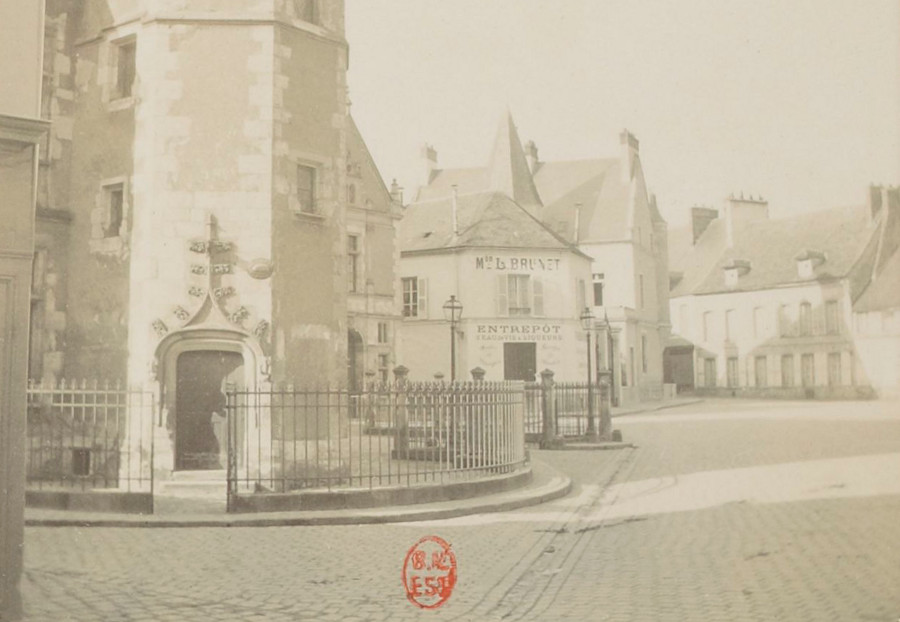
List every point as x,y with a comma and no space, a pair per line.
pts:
353,262
306,188
125,68
305,10
115,200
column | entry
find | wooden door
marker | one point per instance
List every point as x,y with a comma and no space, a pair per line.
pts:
201,376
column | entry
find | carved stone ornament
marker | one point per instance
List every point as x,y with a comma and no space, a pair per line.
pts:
239,316
160,328
221,268
199,246
262,327
223,292
198,269
260,268
181,313
196,292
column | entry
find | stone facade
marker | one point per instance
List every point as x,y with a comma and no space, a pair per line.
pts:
195,196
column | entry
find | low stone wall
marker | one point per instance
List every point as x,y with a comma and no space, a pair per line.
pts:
91,501
355,499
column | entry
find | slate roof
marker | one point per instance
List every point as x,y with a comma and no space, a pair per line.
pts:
844,235
487,219
597,184
883,293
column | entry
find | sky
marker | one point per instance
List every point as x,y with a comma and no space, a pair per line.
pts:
794,100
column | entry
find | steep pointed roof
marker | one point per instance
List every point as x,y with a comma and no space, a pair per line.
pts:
486,219
508,170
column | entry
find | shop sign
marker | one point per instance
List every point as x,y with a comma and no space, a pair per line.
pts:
518,332
530,264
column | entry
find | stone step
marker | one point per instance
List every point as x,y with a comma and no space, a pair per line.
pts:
206,475
191,489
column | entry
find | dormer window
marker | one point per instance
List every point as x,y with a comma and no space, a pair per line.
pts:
735,270
807,262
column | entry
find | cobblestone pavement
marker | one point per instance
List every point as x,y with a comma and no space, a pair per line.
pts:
725,511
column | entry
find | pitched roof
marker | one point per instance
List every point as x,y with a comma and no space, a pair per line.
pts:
508,169
884,291
487,219
771,247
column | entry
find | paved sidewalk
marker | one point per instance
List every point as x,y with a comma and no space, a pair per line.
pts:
644,407
546,484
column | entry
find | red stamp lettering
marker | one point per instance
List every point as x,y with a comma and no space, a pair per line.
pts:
429,572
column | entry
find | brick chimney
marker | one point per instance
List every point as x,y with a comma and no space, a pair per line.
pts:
429,156
630,150
700,219
739,211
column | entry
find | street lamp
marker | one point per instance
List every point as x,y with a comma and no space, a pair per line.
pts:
587,323
609,358
452,313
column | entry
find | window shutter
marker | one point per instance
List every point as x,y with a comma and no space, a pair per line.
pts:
423,297
502,296
538,290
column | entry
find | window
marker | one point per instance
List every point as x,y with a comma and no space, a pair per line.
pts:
641,289
306,188
732,371
761,371
757,322
305,10
834,369
414,297
598,289
784,324
805,319
383,366
707,325
808,370
383,334
787,370
709,372
517,294
115,204
832,317
729,323
644,353
353,262
125,68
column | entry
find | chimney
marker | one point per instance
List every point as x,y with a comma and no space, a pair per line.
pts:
700,219
454,211
531,156
630,150
429,155
577,223
396,192
740,211
875,201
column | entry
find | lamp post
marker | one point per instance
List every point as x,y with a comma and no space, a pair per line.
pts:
452,313
609,359
587,323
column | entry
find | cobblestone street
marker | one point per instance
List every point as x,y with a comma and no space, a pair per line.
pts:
737,510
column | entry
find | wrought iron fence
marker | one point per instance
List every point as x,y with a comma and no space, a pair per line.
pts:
387,435
568,405
89,435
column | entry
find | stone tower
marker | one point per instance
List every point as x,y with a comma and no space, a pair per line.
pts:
192,205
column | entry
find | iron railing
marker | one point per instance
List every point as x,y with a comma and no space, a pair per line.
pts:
89,435
568,408
388,435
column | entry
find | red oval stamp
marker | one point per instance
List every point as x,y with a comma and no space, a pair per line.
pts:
429,572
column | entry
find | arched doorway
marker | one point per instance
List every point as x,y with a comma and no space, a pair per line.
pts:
200,380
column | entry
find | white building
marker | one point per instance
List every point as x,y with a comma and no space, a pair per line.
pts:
601,206
764,306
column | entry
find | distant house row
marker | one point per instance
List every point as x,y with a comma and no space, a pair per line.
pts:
795,307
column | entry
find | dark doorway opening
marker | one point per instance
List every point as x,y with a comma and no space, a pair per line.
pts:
201,377
519,361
